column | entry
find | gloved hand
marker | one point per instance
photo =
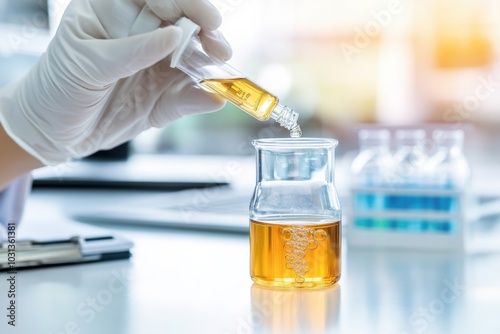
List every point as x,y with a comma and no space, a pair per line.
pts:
97,87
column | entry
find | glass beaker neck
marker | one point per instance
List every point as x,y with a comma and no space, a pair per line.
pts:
295,159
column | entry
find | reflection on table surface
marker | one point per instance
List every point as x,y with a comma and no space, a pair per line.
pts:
399,291
293,311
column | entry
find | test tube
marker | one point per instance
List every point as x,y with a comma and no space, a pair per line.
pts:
221,78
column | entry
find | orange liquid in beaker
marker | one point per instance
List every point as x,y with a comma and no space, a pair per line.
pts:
295,253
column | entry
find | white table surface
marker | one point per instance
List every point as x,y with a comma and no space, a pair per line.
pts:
198,282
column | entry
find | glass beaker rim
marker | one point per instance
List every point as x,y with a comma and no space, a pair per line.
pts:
295,143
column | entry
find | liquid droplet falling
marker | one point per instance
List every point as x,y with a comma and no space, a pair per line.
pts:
296,132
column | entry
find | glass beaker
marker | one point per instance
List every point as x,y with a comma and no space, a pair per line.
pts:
295,216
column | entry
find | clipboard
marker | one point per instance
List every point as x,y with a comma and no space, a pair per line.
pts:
60,242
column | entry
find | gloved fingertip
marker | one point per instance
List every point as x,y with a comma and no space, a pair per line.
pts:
216,45
222,54
171,34
215,22
212,21
228,53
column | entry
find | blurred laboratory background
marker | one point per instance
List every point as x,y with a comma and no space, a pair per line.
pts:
342,65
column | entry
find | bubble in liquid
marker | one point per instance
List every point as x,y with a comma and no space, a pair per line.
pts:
300,279
319,235
313,244
296,132
286,234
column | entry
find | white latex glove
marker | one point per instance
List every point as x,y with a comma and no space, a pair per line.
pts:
97,87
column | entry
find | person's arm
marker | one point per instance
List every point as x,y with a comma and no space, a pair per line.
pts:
98,85
14,161
12,201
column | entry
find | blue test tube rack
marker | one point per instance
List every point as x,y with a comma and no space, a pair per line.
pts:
407,218
412,216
